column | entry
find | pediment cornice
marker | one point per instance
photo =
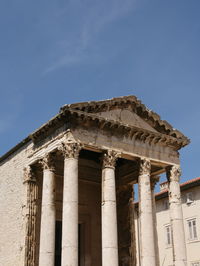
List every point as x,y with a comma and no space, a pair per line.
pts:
77,117
152,118
86,114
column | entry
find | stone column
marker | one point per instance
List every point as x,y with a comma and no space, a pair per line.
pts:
176,216
48,213
31,215
109,212
154,181
147,241
70,204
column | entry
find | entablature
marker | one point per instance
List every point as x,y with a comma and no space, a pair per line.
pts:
100,140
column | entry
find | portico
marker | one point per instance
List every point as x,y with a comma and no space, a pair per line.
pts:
81,170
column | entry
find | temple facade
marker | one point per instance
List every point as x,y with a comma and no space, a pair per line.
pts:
66,191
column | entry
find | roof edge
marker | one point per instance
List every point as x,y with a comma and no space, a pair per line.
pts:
15,148
149,114
73,106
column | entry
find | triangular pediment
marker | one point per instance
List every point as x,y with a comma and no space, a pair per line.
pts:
126,116
128,110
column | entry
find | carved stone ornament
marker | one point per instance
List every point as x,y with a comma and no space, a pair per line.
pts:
31,217
109,159
29,175
70,150
145,166
173,173
48,162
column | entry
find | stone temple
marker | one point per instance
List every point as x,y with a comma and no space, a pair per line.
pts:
66,190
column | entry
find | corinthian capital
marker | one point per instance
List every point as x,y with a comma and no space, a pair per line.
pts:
70,150
48,162
28,174
110,158
145,166
70,147
173,173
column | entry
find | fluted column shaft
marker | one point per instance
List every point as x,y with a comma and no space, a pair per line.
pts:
176,216
147,241
154,181
70,205
109,211
48,214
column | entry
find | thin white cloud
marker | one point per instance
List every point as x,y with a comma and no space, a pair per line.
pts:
95,17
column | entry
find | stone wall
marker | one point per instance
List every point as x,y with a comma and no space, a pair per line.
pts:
13,208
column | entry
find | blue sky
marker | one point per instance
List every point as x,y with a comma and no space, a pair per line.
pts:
58,52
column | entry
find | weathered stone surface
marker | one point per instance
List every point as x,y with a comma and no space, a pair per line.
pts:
70,205
31,216
28,216
147,237
13,209
48,214
109,211
176,216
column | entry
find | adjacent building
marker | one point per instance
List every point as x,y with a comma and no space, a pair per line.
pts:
190,201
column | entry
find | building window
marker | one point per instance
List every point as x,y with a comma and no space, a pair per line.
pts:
189,198
168,232
192,229
197,263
